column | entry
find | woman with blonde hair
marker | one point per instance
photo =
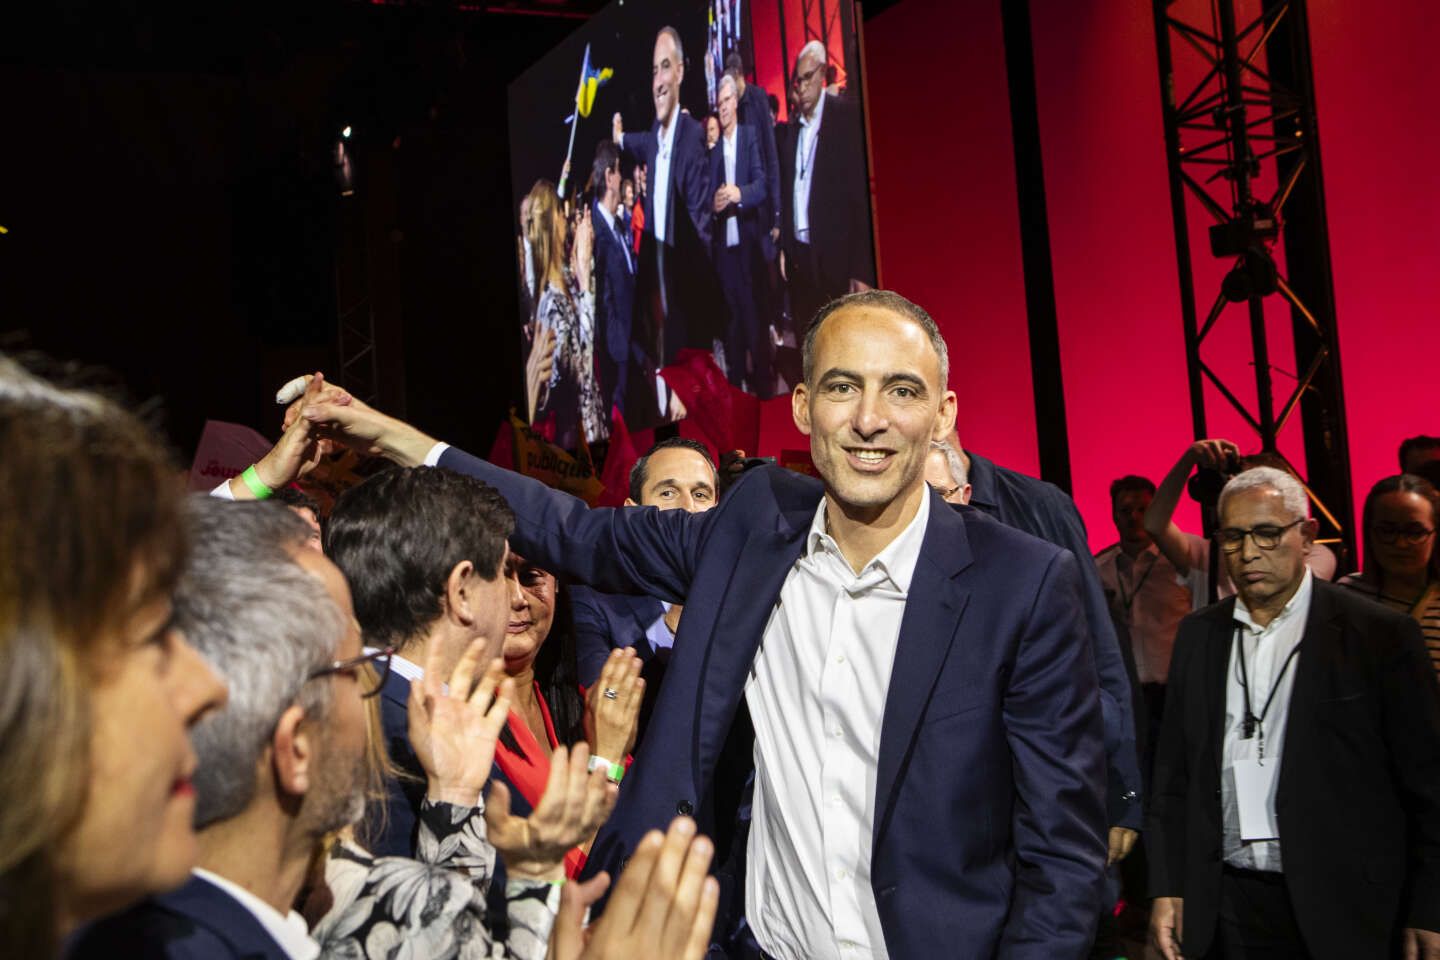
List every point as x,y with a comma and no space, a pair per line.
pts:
98,690
565,308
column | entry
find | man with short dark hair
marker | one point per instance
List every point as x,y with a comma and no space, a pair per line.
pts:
675,474
1417,451
929,777
1147,597
616,351
424,551
1296,805
677,204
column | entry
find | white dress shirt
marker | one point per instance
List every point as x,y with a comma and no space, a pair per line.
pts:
805,169
659,634
289,930
816,694
665,143
1265,650
732,225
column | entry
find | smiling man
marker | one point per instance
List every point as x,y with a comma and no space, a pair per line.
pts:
928,777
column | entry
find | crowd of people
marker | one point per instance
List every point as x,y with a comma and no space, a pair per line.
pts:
726,229
892,710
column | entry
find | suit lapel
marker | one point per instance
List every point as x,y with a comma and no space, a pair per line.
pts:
1220,639
1318,650
728,658
927,631
213,908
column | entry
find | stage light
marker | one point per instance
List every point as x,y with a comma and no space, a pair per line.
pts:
346,132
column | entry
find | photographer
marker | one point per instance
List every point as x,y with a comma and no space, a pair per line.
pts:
1212,462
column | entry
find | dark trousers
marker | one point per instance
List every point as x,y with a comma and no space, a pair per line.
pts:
807,294
743,333
1256,920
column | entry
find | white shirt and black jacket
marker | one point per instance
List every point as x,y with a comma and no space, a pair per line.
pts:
1352,736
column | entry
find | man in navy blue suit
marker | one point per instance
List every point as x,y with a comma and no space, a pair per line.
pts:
617,352
929,776
424,552
675,474
674,251
737,178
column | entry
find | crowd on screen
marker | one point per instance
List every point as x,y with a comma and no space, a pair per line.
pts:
893,710
725,230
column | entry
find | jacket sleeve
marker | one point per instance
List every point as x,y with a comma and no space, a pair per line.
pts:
751,174
637,550
694,179
593,641
1410,700
1170,780
1053,725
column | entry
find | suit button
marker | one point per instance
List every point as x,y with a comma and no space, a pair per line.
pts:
624,862
684,808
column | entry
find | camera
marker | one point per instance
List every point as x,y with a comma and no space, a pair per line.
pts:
1205,486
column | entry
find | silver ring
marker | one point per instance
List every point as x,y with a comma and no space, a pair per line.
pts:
610,693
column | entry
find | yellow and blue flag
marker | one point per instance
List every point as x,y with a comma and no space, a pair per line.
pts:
591,79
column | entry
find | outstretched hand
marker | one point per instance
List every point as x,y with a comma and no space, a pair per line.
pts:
454,727
297,452
336,415
574,805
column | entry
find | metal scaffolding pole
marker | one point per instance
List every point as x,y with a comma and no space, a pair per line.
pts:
1253,107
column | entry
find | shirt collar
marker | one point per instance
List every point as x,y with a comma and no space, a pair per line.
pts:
1299,602
729,138
895,563
982,481
667,135
606,215
406,668
289,931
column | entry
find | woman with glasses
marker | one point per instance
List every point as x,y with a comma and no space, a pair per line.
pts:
1402,566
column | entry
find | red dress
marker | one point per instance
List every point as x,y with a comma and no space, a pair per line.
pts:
528,773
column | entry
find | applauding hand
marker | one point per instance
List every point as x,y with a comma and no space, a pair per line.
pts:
574,805
453,730
612,706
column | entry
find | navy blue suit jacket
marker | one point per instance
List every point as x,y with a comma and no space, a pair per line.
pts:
990,834
1044,510
689,176
604,622
615,306
749,177
197,922
755,114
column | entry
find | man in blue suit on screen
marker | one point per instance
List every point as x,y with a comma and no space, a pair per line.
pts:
928,757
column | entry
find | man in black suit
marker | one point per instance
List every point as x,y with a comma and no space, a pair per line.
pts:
754,112
737,178
1296,800
614,281
674,253
825,198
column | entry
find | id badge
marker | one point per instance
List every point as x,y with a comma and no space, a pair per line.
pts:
1255,796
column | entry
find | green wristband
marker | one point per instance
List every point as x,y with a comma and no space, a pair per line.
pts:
616,772
257,486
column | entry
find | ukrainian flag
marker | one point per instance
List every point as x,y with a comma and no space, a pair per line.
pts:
591,80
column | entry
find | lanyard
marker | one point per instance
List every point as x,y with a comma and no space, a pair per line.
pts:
1249,723
1129,601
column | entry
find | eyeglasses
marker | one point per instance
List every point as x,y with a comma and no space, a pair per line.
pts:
371,681
799,79
1410,535
1266,536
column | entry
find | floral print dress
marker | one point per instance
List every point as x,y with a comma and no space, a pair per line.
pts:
432,907
574,390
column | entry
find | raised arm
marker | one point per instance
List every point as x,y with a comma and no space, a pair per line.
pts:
1159,522
638,550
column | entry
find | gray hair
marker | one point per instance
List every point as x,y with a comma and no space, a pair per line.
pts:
724,79
814,49
264,624
886,300
958,473
1292,492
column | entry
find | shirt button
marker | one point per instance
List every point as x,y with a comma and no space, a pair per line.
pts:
684,808
840,658
839,874
839,733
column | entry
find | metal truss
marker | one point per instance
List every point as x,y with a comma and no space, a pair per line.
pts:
355,340
1253,108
